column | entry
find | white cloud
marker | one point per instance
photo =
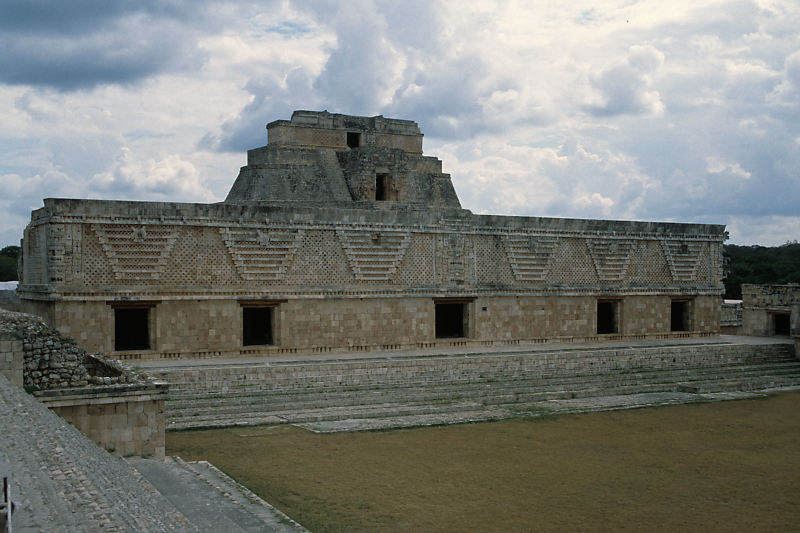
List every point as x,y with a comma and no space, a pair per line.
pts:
169,178
627,87
645,110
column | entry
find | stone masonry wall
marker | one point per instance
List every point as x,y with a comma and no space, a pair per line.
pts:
382,373
53,361
117,408
213,327
761,304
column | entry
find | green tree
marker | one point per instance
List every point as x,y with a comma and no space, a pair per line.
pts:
760,264
8,263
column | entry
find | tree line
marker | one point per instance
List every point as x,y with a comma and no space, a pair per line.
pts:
8,263
760,264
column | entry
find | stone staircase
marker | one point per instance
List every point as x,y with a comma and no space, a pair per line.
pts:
461,387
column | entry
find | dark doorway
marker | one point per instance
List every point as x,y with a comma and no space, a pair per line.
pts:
781,323
607,317
381,186
353,139
256,326
450,320
131,331
679,316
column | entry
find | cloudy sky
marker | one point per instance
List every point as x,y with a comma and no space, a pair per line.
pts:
647,110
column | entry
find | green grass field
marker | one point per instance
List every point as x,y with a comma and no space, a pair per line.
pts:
730,466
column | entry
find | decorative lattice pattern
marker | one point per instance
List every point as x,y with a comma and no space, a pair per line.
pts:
200,255
648,264
529,256
261,253
571,263
610,257
418,266
682,258
136,252
96,266
491,263
373,255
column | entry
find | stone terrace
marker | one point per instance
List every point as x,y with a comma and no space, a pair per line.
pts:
398,389
61,481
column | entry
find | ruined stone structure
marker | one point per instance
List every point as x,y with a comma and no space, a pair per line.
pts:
119,409
771,310
341,235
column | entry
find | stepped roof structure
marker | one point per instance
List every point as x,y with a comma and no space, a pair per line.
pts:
341,234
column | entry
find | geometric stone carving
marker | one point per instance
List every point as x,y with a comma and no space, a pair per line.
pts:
529,256
136,253
611,257
261,254
682,257
374,255
457,261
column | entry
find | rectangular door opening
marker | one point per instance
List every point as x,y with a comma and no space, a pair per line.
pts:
353,139
679,316
381,187
450,318
131,330
256,326
780,324
607,317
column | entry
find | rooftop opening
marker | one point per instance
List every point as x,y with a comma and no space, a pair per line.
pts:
607,317
381,187
353,139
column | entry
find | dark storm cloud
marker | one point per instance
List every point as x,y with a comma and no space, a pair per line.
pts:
80,44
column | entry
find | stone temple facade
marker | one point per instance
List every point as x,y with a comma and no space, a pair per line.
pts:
341,235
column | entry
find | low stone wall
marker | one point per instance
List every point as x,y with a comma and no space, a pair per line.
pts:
452,369
118,408
124,419
731,317
9,300
11,357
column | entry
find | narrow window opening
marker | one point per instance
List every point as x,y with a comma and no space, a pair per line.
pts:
381,186
131,330
607,317
256,326
679,316
353,139
450,319
781,323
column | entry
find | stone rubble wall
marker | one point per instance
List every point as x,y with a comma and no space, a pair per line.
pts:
118,408
51,360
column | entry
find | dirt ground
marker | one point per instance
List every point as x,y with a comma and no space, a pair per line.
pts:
730,466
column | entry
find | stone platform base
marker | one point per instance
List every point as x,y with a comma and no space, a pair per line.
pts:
442,387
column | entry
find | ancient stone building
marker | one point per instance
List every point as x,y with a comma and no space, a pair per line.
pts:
341,234
771,310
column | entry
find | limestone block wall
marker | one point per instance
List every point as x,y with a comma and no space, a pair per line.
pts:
126,420
11,357
116,407
356,278
383,373
770,309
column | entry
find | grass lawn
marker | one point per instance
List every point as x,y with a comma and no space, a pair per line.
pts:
730,466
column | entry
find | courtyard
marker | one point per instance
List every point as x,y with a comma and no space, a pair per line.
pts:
728,466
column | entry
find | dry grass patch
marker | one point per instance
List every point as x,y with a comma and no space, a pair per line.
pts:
731,466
